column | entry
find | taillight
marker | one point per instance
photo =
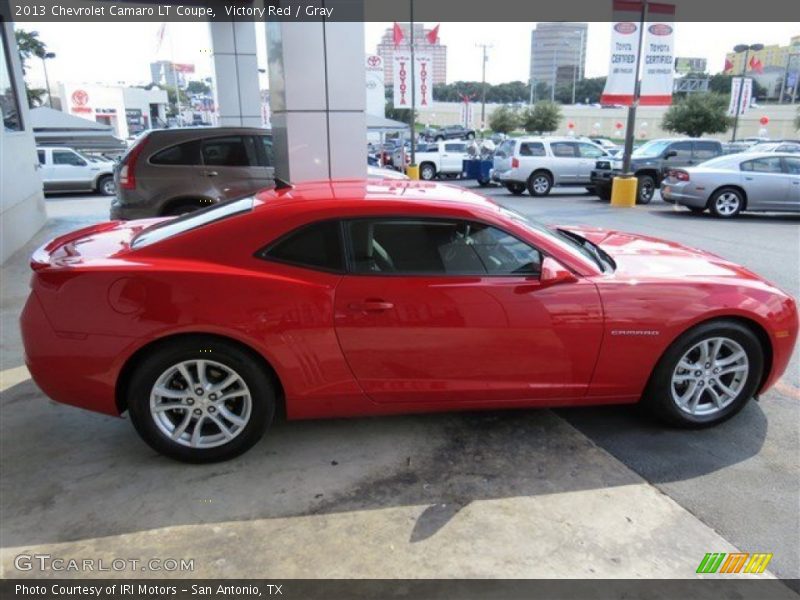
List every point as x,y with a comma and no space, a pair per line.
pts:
127,167
679,175
515,163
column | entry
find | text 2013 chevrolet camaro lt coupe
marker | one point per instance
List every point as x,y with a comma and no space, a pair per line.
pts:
362,298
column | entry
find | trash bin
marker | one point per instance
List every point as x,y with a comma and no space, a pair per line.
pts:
478,169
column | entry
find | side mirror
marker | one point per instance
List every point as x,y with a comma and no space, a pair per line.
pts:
554,273
670,154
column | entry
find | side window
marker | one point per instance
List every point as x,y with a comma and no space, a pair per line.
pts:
683,150
564,149
792,165
41,156
505,149
187,153
266,158
455,147
438,247
762,165
317,246
705,150
233,151
531,149
65,157
792,148
590,151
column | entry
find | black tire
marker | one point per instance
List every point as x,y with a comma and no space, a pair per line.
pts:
726,203
645,189
516,188
698,210
540,183
427,171
658,396
603,192
438,138
591,190
470,136
184,206
234,358
106,186
483,182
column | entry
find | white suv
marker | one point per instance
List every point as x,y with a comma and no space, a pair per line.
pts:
65,170
539,163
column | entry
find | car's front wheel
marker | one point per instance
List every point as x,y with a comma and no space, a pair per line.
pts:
427,171
106,186
200,400
707,375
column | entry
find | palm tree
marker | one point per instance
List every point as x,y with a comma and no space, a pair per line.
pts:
29,46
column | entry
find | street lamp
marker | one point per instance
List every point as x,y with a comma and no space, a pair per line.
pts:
738,49
44,56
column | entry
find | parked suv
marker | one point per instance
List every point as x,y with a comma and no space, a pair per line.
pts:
175,171
539,163
650,163
65,170
451,132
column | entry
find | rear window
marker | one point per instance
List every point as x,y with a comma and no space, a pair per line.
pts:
200,218
531,149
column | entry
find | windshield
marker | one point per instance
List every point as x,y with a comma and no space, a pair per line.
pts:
193,220
574,243
651,149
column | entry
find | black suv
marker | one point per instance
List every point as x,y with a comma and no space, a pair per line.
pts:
451,132
650,163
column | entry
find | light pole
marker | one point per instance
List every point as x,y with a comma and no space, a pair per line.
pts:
737,107
44,56
483,84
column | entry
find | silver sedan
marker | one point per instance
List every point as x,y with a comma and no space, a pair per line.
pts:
763,181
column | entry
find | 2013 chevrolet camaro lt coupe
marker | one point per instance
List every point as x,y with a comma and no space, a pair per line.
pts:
345,298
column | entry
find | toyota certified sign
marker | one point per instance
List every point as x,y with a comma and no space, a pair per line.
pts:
80,98
625,28
660,29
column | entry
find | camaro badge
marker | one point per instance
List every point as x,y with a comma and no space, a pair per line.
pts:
635,332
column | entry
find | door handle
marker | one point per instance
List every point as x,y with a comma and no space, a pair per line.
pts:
748,178
211,173
371,306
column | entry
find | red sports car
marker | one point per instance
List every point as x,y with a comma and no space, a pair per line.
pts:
347,298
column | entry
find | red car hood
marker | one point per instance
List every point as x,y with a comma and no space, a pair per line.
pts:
643,256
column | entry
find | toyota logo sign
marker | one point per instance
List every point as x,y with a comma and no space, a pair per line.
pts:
80,98
625,28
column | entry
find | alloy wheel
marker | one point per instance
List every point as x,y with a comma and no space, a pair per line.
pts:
727,204
541,184
109,189
709,376
200,403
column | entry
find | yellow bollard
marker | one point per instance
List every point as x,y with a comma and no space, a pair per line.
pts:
623,192
412,171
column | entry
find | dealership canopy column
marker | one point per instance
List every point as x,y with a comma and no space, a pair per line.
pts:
317,98
236,73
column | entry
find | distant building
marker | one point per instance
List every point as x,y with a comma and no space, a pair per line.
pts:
165,72
773,55
386,51
128,110
558,53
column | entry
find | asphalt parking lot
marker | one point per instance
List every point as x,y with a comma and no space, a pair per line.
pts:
571,493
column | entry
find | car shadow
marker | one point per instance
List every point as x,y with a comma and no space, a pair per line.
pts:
71,475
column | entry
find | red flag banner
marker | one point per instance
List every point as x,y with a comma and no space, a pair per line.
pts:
397,34
728,65
756,65
433,35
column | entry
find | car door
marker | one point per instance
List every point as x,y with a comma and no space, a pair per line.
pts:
452,157
70,171
765,183
446,310
566,162
231,165
677,154
589,154
792,168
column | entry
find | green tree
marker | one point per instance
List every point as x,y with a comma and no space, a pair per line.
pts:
542,117
30,46
504,119
398,114
198,87
698,114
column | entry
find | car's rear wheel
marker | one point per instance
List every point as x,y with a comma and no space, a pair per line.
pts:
427,171
603,192
106,186
726,203
707,375
182,207
200,400
516,188
645,189
539,183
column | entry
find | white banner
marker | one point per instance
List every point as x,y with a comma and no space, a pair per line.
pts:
622,68
743,96
376,93
658,67
466,114
423,71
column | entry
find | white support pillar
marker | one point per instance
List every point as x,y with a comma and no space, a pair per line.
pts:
237,93
317,82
